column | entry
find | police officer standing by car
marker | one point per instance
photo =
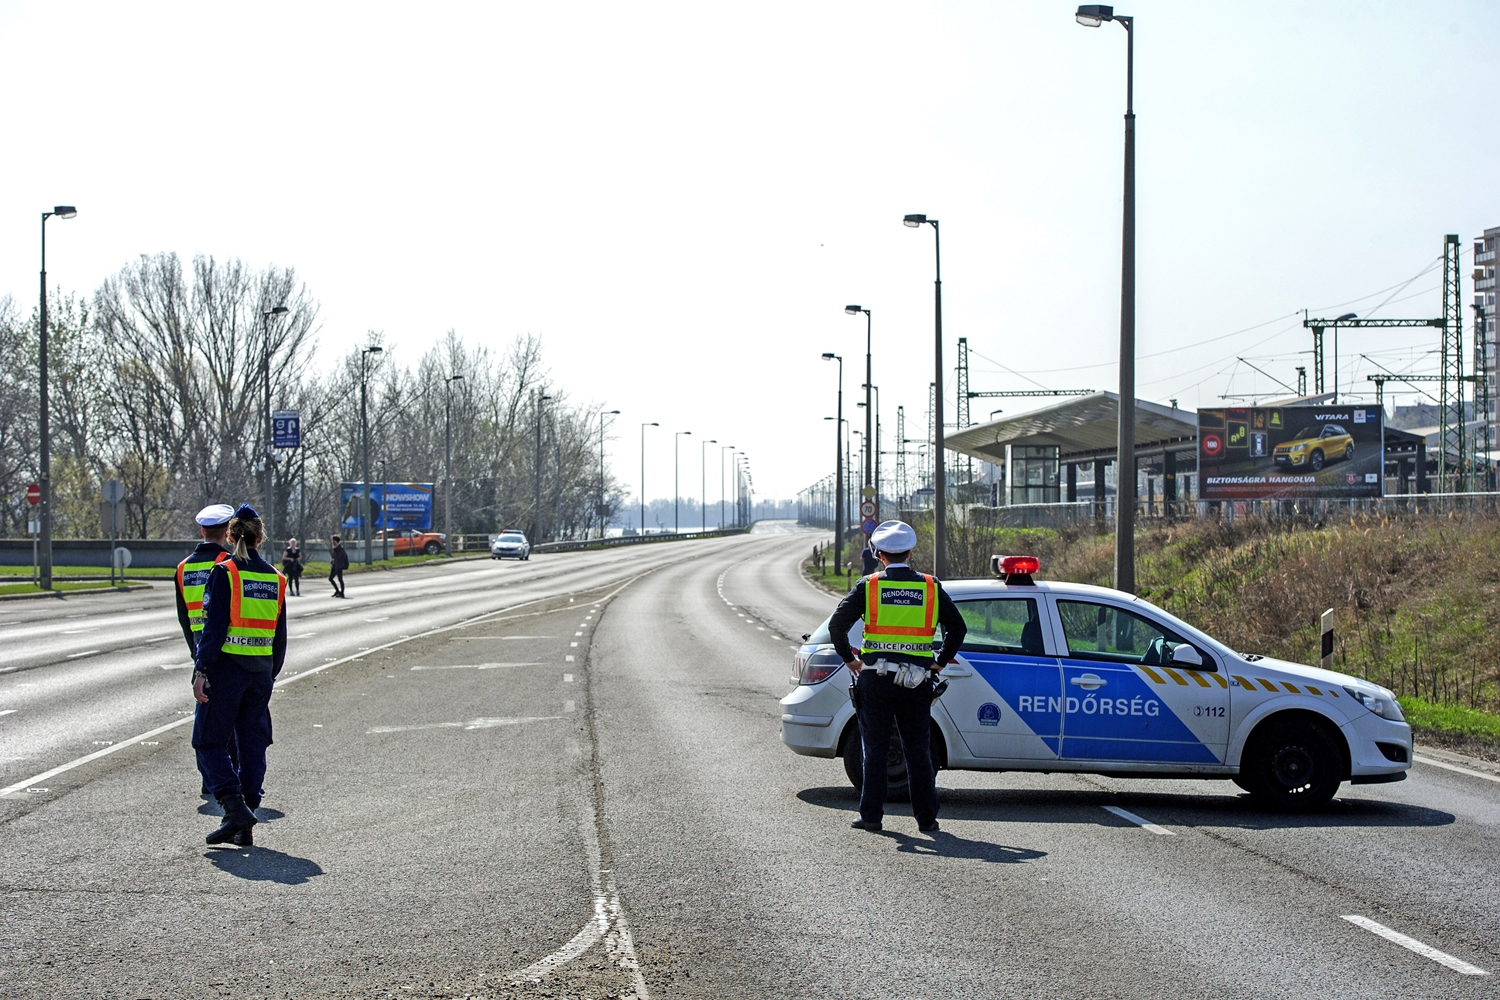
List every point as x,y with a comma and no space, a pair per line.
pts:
894,671
240,652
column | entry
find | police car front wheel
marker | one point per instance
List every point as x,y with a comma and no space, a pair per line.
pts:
1293,766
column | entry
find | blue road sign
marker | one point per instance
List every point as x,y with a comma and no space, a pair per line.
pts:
868,526
287,429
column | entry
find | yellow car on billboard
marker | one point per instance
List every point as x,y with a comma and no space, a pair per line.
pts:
1314,447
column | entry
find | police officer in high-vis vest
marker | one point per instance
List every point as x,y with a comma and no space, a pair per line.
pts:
192,577
894,671
240,652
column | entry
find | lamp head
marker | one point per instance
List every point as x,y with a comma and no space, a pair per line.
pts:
852,310
612,413
277,311
374,349
914,221
1346,316
1091,15
64,211
712,441
653,424
830,356
456,378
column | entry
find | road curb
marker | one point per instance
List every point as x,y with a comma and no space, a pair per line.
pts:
63,594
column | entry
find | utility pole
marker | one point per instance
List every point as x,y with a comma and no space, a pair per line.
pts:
536,478
963,404
1451,389
900,457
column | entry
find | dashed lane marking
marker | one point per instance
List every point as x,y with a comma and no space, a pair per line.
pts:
86,652
567,679
24,786
1139,821
1454,767
1412,944
469,726
160,638
12,711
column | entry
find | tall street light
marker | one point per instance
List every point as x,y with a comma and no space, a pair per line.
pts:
703,483
939,480
676,467
536,500
364,423
44,552
385,520
838,465
643,473
602,415
448,456
1091,15
869,377
270,425
722,450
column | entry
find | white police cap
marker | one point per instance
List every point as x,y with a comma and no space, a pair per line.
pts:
215,514
894,536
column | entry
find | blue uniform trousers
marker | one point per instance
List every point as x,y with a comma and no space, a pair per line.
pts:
238,710
881,702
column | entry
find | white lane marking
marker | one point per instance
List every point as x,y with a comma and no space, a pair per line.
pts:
568,706
78,631
471,666
469,726
385,619
1412,944
567,679
176,666
1454,767
507,638
325,665
1144,824
577,633
573,644
160,638
86,652
12,711
22,786
304,635
569,659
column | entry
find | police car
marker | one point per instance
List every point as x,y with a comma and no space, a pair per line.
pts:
1069,677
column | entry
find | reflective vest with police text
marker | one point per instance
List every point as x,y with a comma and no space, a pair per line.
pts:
900,616
255,602
192,578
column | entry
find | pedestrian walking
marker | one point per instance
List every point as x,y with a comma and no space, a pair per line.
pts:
894,671
240,652
192,577
291,567
338,561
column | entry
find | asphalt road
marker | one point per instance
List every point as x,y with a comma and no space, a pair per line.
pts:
455,807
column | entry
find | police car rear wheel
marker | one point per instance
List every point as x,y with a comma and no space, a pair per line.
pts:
895,766
1293,767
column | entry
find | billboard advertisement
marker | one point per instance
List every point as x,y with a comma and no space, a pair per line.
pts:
390,505
1291,452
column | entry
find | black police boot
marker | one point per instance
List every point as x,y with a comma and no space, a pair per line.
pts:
237,819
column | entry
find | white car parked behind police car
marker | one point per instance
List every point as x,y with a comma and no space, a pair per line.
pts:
1068,677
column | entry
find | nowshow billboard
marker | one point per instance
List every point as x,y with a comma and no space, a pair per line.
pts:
1314,452
390,505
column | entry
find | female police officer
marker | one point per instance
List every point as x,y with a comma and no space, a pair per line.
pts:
240,652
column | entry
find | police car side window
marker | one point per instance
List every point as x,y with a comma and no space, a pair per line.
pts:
1007,625
1111,634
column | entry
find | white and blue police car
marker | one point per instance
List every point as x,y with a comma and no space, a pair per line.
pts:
1069,677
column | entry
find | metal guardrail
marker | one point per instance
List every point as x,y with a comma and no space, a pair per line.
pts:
618,540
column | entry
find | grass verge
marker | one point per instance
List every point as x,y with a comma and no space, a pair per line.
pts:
8,589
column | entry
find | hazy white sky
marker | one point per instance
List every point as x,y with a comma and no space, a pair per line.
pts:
681,198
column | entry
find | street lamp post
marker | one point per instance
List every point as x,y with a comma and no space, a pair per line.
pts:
838,465
1091,16
939,480
869,377
269,513
602,415
703,483
448,457
364,423
643,473
536,479
722,450
44,424
676,478
385,520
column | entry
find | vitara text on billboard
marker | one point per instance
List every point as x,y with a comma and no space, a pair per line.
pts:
1293,452
390,505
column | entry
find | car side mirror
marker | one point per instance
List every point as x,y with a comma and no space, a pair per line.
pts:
1186,656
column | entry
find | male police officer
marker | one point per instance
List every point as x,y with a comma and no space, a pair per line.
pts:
192,572
192,577
901,609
